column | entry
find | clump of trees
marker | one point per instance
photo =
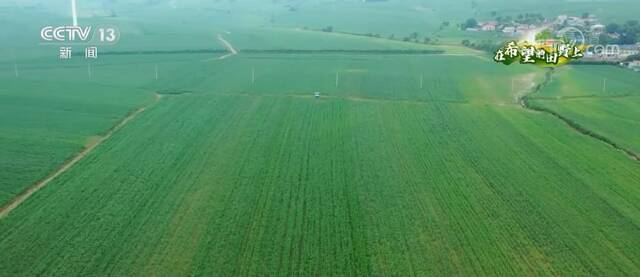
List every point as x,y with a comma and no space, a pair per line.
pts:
444,24
530,18
327,29
526,18
627,33
470,23
483,45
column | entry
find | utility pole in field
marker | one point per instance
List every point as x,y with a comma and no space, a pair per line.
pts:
337,78
74,13
604,85
421,81
253,75
15,69
156,72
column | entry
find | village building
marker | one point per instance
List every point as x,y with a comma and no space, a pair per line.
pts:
629,49
489,26
561,20
575,21
509,30
597,29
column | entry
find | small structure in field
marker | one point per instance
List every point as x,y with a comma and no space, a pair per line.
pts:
316,94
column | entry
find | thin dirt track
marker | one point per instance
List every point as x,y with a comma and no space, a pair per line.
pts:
228,46
5,210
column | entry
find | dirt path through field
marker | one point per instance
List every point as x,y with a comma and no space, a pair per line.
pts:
228,46
524,102
5,210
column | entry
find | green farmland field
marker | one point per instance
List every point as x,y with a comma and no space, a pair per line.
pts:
242,183
606,100
45,120
416,159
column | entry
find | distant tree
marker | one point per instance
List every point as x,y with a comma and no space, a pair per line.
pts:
604,39
484,45
632,26
612,28
328,29
470,23
444,24
427,40
628,38
544,35
632,58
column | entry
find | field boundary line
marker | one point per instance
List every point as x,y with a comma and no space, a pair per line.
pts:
580,97
524,102
348,98
23,196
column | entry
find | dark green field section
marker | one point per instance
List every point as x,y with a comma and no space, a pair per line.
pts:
280,185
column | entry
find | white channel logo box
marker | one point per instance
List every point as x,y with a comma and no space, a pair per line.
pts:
102,35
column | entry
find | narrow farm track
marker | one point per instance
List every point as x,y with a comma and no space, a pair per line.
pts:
22,197
524,102
228,46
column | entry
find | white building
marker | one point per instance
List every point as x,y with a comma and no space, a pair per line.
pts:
598,29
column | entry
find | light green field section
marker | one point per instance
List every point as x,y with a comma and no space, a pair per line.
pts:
591,81
618,119
283,38
603,99
465,78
